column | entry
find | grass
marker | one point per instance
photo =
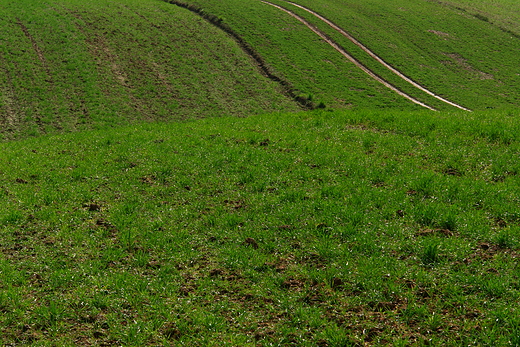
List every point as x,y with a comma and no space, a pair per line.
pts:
435,45
301,57
382,225
75,65
503,13
331,228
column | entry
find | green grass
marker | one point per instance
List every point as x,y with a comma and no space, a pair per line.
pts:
76,65
503,13
452,53
136,223
300,56
333,228
73,65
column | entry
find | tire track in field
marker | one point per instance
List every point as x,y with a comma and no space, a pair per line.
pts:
349,57
36,48
376,57
287,88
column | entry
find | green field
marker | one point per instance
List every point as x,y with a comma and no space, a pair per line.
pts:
75,65
213,173
456,55
503,14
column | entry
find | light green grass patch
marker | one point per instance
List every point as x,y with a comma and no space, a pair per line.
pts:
339,227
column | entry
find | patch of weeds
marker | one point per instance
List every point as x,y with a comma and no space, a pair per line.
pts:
507,238
448,221
430,254
12,217
493,287
435,216
335,336
424,186
48,316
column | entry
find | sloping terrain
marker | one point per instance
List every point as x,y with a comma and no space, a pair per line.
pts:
376,57
71,65
455,55
344,53
503,13
378,224
297,54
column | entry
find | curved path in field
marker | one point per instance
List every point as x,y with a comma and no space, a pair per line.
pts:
376,57
349,57
358,63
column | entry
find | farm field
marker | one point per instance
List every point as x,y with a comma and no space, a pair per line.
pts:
433,44
245,173
503,13
330,228
75,65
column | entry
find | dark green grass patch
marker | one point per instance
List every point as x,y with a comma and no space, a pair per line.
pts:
330,228
75,65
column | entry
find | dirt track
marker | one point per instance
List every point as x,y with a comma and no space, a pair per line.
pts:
359,64
376,57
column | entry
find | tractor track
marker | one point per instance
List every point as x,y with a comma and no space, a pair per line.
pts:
349,57
375,56
265,70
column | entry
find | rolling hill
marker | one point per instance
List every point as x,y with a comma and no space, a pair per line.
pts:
259,173
444,48
76,65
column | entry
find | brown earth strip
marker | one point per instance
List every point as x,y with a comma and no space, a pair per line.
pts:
376,57
463,63
8,120
349,57
288,89
42,59
36,48
100,50
104,56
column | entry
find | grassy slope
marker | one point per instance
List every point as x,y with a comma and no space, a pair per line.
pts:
303,58
74,65
331,228
454,54
378,227
503,13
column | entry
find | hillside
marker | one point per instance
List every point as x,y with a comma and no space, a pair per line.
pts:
259,173
456,55
74,65
504,14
